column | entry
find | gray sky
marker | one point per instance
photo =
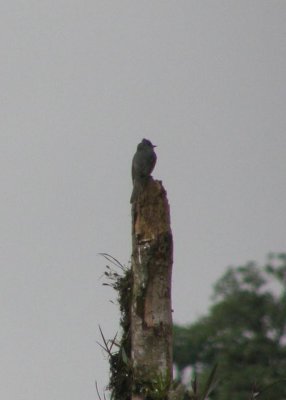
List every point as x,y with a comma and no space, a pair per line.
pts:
82,82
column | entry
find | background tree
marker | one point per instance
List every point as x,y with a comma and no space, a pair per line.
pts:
244,332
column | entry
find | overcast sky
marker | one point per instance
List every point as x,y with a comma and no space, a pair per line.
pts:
82,82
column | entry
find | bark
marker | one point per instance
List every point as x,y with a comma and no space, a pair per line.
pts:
151,313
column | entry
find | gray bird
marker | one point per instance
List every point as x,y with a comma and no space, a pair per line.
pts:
143,163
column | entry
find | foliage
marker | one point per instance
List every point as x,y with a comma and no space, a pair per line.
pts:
156,389
119,350
202,393
244,333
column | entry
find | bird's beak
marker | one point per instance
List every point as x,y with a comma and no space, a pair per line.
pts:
154,145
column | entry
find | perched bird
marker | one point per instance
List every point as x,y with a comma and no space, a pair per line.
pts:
143,163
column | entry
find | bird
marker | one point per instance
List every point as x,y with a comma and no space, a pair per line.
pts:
143,163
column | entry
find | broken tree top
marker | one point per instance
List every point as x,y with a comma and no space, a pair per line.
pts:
143,163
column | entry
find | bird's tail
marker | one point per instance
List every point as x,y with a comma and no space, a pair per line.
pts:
138,187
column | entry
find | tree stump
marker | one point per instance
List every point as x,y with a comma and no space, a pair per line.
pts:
151,313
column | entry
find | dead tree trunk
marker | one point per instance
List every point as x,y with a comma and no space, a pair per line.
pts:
151,313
